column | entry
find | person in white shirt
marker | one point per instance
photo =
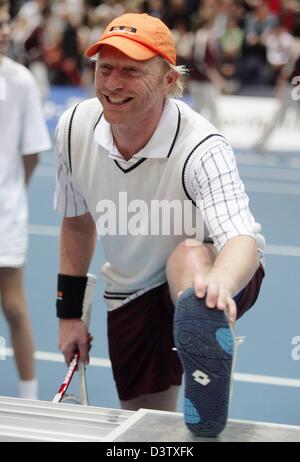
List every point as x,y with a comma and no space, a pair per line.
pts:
140,169
23,135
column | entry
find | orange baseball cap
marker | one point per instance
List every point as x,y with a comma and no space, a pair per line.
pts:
139,36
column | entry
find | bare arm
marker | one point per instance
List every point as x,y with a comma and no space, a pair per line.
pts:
236,263
77,245
234,266
225,208
29,162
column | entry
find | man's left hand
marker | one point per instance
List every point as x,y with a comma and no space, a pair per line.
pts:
217,295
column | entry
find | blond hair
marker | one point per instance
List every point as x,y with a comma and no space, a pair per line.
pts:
180,84
182,73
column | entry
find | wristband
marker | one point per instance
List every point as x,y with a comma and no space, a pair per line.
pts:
70,295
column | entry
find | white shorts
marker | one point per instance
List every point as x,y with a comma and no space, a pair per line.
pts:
13,261
14,237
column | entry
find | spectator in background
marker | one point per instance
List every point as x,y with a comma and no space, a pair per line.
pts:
258,24
231,47
38,45
64,60
184,42
279,43
177,10
31,13
14,6
94,23
74,23
23,134
156,8
288,92
221,15
290,14
206,83
236,12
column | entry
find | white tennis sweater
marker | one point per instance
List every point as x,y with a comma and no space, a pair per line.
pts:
136,238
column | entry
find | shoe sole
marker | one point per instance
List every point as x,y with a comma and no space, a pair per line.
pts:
205,344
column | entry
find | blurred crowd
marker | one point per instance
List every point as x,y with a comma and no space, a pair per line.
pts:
226,44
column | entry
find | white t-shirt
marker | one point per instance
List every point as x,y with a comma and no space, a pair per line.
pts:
22,131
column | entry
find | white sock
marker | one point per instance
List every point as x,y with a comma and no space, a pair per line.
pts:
28,389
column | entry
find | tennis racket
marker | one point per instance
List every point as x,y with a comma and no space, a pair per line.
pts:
76,363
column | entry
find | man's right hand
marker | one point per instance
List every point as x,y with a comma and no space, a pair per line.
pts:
73,336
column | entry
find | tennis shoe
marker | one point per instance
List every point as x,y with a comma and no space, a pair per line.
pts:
205,344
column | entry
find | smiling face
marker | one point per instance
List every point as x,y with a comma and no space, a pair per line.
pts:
5,29
130,91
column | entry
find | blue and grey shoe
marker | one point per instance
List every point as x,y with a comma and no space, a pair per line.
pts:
205,344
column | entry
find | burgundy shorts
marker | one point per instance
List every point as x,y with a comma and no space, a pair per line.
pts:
140,339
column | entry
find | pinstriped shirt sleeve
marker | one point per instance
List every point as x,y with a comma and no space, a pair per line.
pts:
213,181
68,202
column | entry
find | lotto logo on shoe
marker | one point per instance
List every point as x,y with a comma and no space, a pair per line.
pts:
201,377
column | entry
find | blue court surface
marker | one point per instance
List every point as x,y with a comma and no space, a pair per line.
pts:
267,378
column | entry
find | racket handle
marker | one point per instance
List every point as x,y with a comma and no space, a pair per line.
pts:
86,316
64,386
82,384
88,298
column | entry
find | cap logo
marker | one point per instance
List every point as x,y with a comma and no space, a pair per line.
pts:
128,29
